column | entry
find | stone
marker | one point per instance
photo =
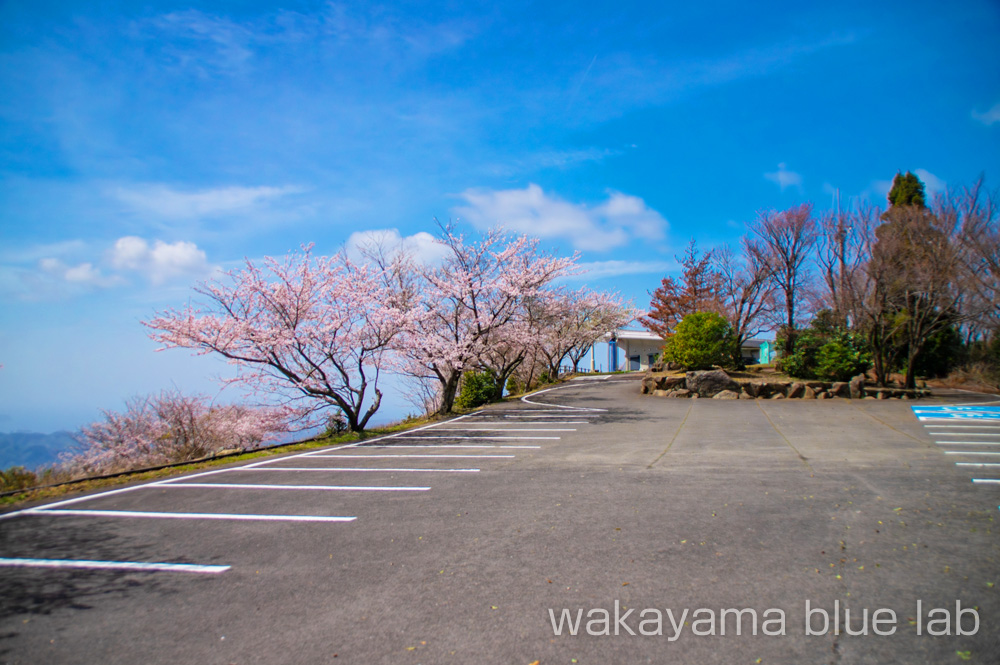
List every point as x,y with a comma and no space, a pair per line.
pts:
670,382
680,392
770,388
710,382
809,393
857,386
661,393
648,384
726,394
777,396
796,390
840,389
823,395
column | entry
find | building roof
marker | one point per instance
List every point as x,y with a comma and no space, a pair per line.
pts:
651,336
635,334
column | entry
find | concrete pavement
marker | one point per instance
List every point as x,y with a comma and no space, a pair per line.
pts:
588,496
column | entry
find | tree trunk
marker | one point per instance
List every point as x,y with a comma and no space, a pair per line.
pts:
363,423
911,357
790,338
449,390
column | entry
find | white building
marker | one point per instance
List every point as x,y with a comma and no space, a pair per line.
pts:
637,350
640,348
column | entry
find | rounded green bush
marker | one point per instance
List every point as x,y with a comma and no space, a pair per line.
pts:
841,358
701,340
477,389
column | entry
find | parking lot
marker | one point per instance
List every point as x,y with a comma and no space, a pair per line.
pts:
452,543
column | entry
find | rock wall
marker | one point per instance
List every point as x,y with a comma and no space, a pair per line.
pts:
717,384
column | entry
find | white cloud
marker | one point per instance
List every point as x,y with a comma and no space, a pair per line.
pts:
161,261
932,184
989,117
785,178
531,211
616,268
422,246
163,201
83,274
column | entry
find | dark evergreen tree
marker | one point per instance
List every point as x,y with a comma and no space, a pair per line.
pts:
907,190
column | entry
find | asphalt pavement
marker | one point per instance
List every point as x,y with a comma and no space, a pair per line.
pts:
490,538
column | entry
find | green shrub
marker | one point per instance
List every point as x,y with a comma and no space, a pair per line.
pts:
477,389
513,388
700,340
802,364
841,358
826,351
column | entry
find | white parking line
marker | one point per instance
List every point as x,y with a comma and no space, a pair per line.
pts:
978,464
968,443
341,468
50,507
557,407
957,417
113,565
560,422
990,481
501,429
555,410
965,426
965,434
419,456
451,445
332,488
481,438
967,452
561,415
192,516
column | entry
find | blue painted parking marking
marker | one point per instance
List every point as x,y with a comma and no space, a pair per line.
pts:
978,413
989,433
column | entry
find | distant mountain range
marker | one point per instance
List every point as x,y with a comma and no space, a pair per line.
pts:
31,449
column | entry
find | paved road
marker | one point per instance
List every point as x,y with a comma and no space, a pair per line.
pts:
427,550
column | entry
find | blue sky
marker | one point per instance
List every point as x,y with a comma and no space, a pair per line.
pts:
145,145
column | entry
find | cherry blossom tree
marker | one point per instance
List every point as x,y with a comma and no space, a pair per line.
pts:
572,321
316,332
480,287
594,314
509,345
170,427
